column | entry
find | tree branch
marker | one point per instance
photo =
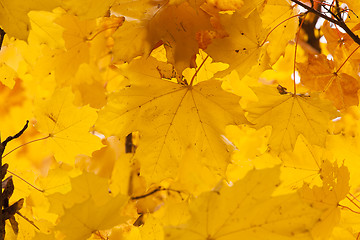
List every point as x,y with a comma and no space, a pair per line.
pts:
2,35
8,139
337,22
2,148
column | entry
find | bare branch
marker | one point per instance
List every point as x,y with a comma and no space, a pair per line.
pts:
8,139
338,22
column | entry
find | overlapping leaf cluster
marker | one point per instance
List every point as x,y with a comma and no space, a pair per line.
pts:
179,119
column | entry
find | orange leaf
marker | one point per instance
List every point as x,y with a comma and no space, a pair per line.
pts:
319,74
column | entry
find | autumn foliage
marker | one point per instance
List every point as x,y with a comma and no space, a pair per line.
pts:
180,119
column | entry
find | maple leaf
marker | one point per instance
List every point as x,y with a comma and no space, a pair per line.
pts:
87,207
44,30
233,212
172,118
9,65
290,115
137,43
8,75
275,12
88,87
241,48
334,189
319,74
14,19
66,125
150,230
82,187
80,38
335,39
83,219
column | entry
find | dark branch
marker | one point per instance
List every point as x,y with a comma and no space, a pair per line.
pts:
8,139
2,35
340,22
154,191
147,194
8,212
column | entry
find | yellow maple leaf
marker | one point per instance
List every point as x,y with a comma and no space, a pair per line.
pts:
88,87
150,230
290,115
10,65
85,40
66,126
88,207
241,48
44,30
172,118
14,19
303,164
319,74
137,44
248,211
207,70
83,187
83,219
277,12
345,145
8,75
334,189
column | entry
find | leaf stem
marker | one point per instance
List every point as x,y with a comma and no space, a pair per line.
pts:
197,70
354,197
296,44
267,36
351,200
12,173
114,26
346,207
347,58
39,139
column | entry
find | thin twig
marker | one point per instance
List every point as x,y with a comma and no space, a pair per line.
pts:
147,194
336,22
154,191
8,139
